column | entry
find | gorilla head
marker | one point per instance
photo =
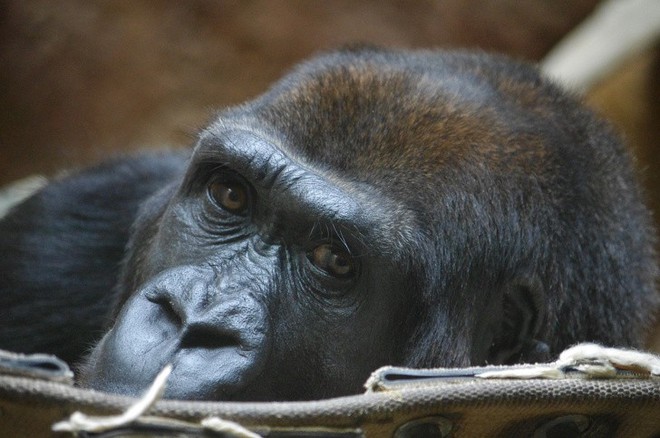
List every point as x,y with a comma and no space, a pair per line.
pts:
378,207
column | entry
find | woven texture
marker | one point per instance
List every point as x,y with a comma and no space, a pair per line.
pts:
498,408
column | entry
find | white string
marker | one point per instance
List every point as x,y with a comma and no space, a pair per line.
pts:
228,427
591,359
79,422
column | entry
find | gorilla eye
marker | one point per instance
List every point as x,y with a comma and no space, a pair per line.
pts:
229,195
333,261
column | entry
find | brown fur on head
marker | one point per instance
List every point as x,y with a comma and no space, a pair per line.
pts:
514,189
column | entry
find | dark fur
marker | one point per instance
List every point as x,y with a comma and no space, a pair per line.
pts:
505,223
61,254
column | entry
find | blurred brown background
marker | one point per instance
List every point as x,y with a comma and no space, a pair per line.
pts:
82,80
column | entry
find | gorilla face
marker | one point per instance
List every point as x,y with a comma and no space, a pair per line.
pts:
239,272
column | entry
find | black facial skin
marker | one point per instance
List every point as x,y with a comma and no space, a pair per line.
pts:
227,282
374,207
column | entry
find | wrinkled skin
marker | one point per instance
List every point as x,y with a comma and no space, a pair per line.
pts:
216,289
374,207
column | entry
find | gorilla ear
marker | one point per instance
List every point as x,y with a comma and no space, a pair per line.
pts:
515,340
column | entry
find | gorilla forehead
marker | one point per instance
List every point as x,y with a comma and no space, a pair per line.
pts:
296,189
367,107
399,121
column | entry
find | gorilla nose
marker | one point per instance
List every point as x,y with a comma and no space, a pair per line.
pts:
198,323
209,336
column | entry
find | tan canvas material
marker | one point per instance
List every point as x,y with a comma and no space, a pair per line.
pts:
399,403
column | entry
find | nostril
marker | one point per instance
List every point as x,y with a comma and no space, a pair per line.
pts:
168,307
193,326
208,337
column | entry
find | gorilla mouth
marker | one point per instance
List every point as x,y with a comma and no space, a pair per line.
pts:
204,367
212,363
206,373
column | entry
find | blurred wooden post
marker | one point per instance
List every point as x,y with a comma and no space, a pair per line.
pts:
617,30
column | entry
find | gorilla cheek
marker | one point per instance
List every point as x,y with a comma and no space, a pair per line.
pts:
215,350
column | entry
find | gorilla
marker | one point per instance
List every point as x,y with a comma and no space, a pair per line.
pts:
412,208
